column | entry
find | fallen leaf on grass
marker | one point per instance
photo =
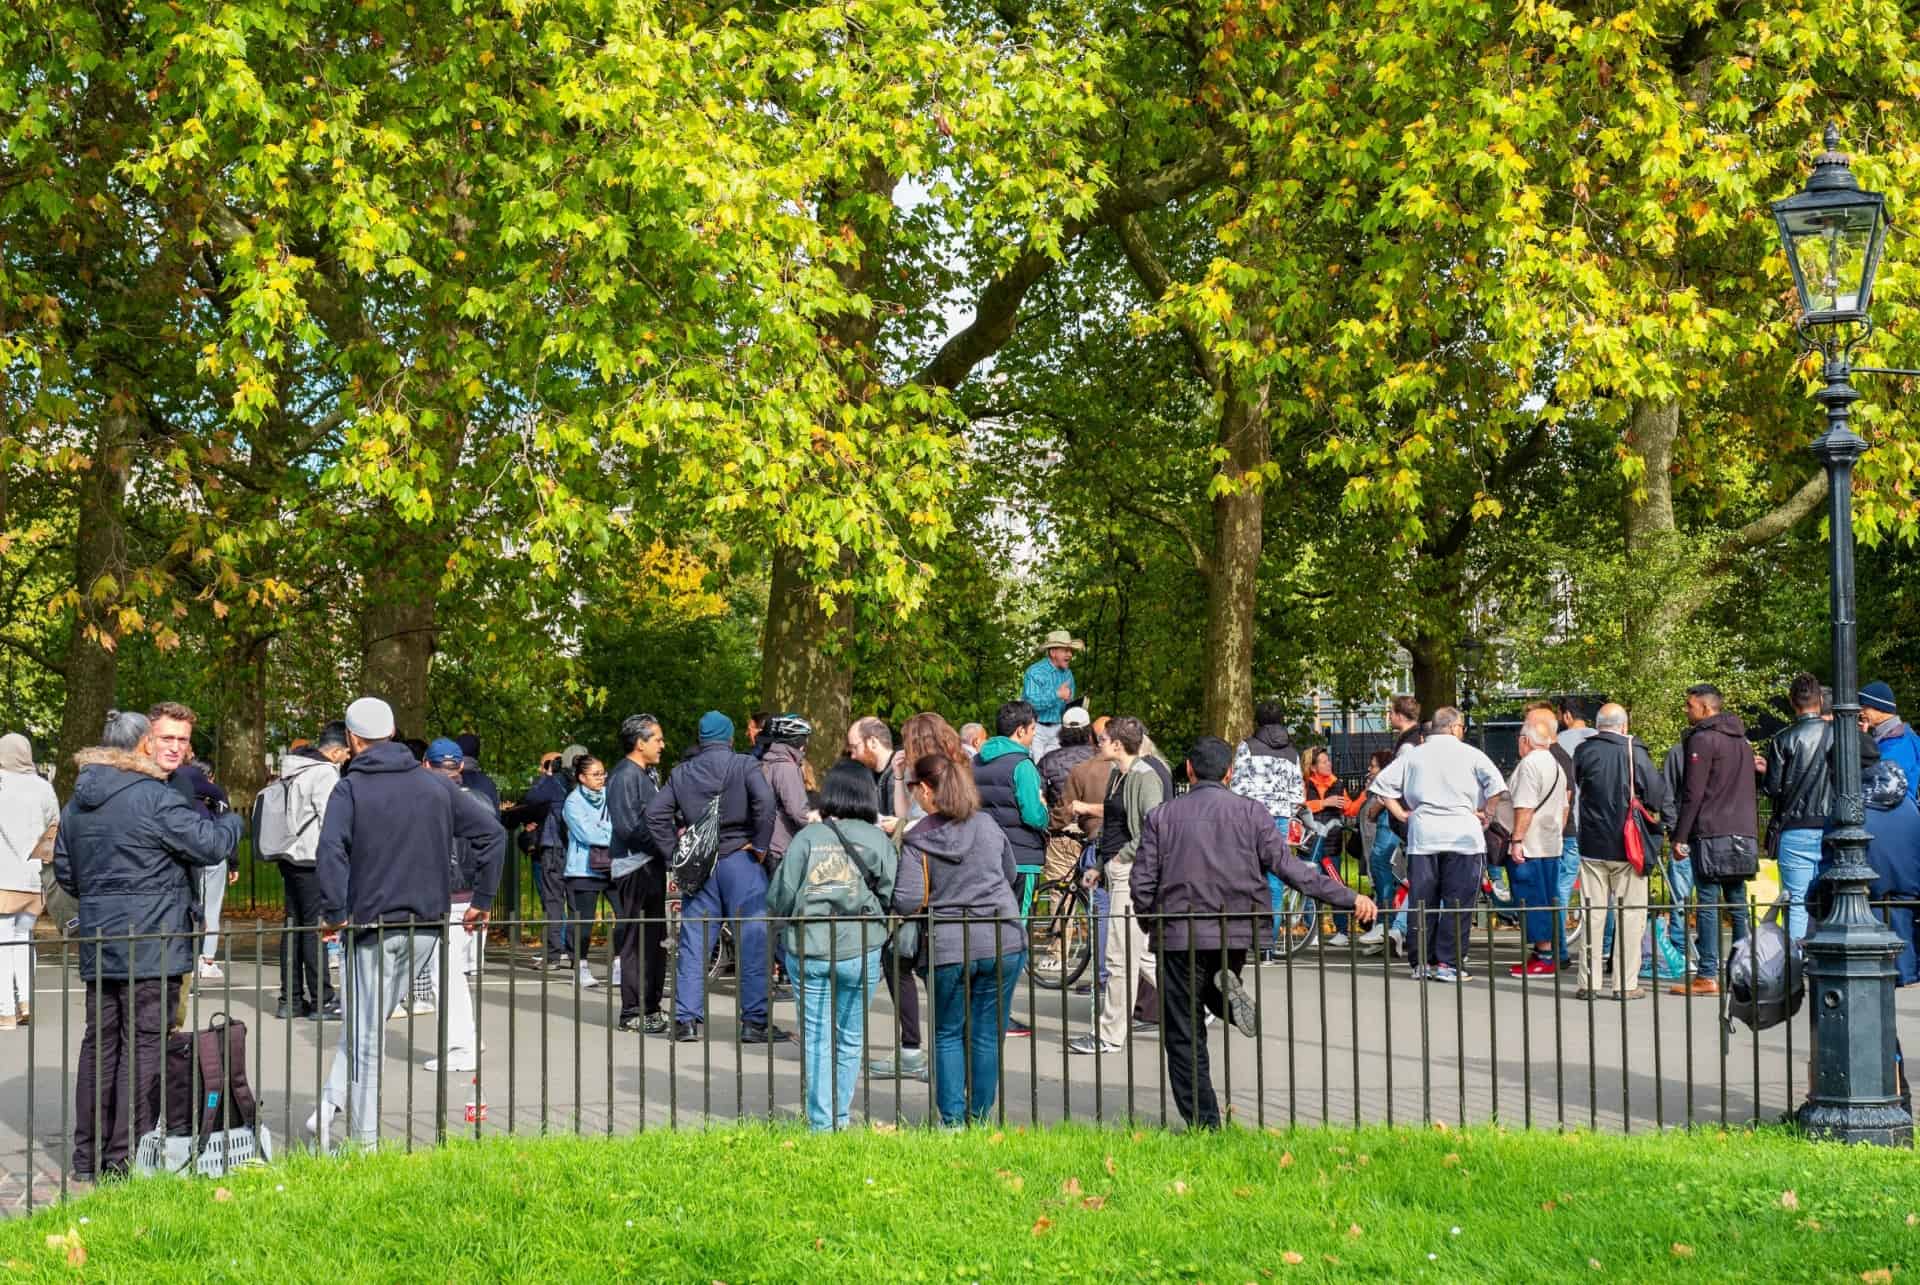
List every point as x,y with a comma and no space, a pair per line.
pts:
1042,1225
76,1252
996,1138
1547,1206
1363,1158
1331,1258
1440,1126
1682,1251
1292,1259
1353,1231
1070,1188
1112,1168
1451,1159
1094,1202
1810,1224
819,1242
1876,1276
788,1145
885,1126
222,1195
1594,1263
1913,1220
1177,1187
1788,1200
1286,1159
1013,1180
1273,1132
1243,1192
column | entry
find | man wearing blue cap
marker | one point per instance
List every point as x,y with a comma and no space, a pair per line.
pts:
737,888
1880,721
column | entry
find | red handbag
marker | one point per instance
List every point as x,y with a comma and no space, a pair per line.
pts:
1631,840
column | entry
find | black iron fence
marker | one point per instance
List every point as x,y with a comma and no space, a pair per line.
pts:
1283,1026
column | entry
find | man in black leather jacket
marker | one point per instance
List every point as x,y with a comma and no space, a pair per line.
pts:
1799,781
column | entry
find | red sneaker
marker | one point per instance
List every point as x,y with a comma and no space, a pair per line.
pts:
1535,967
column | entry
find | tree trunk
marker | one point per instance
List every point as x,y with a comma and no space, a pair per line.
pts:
1649,507
803,658
1226,708
1435,672
99,561
241,761
397,630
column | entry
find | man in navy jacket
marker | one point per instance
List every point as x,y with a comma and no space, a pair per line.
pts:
737,888
385,866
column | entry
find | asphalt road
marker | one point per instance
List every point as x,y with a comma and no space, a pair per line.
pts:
1342,1040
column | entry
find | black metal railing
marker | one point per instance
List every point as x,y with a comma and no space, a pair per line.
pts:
1333,1035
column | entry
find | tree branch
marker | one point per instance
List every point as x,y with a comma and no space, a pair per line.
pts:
1168,521
998,306
1770,526
1155,278
33,654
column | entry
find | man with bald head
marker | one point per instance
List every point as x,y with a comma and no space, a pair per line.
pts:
1542,793
1617,786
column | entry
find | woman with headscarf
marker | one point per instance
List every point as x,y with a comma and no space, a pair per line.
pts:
27,812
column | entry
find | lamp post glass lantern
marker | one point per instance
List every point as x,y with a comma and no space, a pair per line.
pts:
1832,233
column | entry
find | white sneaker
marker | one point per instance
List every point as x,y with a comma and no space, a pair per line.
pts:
399,1011
210,971
587,980
1373,936
1337,941
456,1065
614,978
422,1006
320,1123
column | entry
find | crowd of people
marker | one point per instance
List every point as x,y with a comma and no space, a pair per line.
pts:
903,864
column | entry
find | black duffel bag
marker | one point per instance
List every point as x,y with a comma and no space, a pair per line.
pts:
1723,858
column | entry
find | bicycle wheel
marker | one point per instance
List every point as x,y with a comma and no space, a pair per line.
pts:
1062,938
1299,921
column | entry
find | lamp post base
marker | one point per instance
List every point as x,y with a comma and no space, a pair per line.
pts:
1883,1124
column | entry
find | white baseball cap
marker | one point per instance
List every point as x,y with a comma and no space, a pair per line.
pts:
1076,717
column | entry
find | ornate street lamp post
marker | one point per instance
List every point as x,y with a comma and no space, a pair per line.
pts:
1471,651
1832,233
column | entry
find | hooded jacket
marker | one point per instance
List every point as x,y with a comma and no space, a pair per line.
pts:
1057,765
1207,853
309,778
964,869
1009,786
1719,797
130,849
27,808
834,900
1266,769
746,804
784,767
387,843
1898,745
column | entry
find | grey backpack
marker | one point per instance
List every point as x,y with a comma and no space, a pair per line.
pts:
1766,978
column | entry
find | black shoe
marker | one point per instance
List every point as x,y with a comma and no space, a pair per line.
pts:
656,1024
283,1010
1018,1030
1145,1028
763,1033
686,1032
629,1023
329,1010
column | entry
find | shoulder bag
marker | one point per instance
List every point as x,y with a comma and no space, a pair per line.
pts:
1632,842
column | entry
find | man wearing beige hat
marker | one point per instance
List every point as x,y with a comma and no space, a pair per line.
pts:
1049,688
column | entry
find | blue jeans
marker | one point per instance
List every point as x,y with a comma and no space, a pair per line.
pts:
1734,894
736,890
1536,882
832,998
1799,866
1569,876
1679,890
970,1006
1385,841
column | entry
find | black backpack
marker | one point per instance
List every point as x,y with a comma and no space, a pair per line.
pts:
207,1089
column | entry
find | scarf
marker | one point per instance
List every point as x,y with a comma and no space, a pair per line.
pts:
1888,728
598,798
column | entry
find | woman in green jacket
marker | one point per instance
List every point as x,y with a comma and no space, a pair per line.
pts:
832,889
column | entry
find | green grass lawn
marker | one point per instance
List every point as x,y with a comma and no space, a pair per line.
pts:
753,1204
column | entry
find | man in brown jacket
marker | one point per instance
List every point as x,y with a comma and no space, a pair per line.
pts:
1200,882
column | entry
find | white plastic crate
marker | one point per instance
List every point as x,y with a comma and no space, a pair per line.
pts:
220,1153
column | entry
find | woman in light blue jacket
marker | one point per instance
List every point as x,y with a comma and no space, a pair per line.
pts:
589,832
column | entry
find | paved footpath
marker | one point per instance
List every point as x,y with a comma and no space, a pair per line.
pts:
1343,1039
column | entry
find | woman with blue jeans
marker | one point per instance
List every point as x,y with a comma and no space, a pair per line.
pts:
832,887
957,867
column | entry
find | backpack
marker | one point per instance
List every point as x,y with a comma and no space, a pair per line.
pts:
279,835
1765,978
207,1089
698,848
